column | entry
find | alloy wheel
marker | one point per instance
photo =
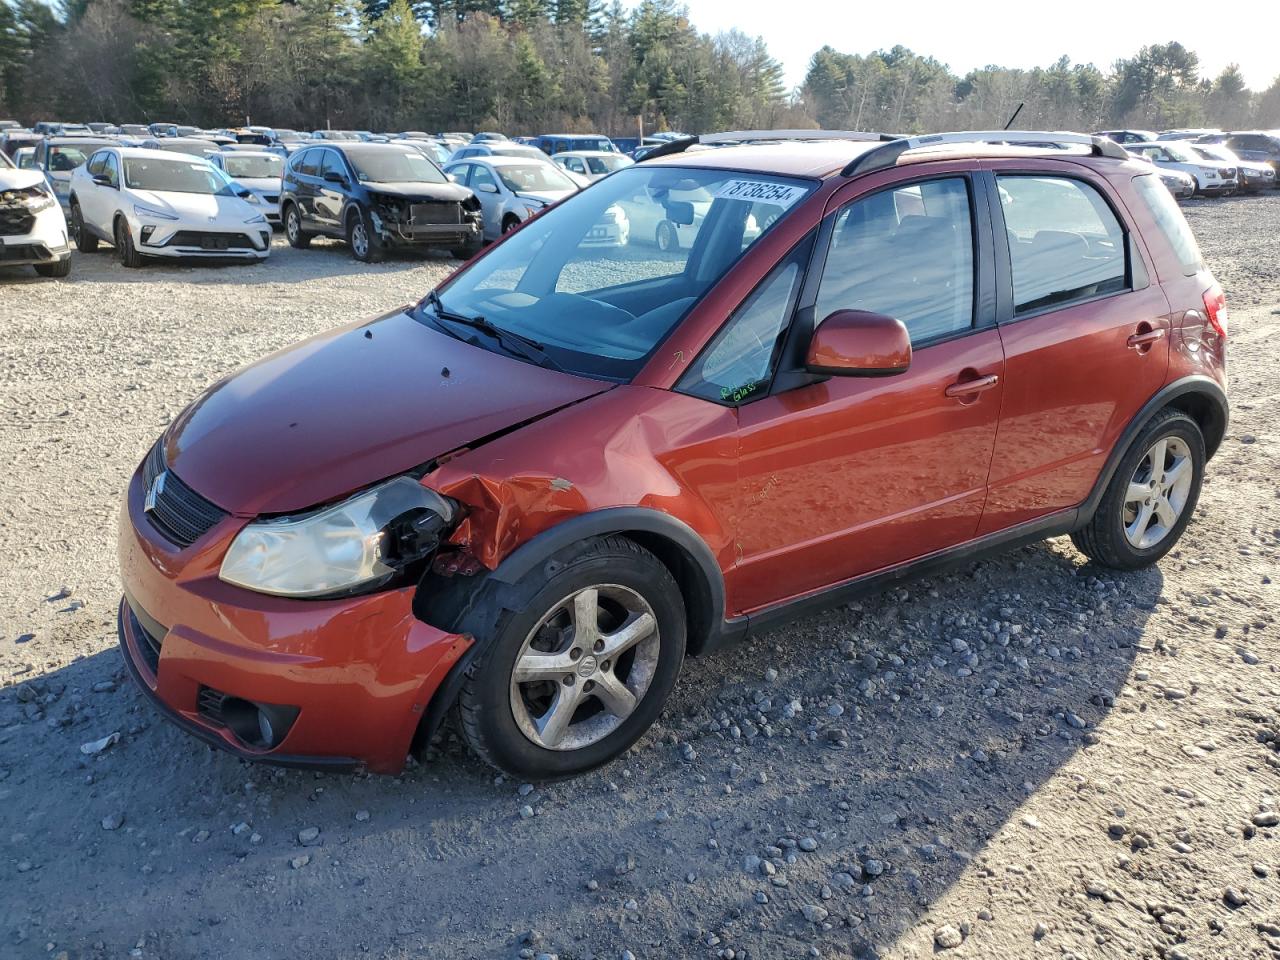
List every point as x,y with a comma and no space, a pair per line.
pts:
585,666
359,239
1157,492
291,225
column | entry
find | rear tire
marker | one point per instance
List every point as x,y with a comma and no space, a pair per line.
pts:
125,250
84,240
608,629
1151,496
467,250
510,224
58,268
298,238
666,237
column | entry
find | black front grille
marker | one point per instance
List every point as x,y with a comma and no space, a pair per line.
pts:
271,198
210,704
208,240
178,512
16,220
433,213
25,252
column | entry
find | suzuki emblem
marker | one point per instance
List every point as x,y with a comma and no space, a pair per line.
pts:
154,492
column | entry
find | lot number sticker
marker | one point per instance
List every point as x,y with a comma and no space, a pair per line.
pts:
761,191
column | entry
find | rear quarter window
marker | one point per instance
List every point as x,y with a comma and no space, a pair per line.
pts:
1171,223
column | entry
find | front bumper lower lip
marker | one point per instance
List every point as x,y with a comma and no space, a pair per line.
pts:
127,629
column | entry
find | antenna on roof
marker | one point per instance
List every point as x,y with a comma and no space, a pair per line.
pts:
1015,115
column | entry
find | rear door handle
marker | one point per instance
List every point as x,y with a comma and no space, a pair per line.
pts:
1145,339
967,388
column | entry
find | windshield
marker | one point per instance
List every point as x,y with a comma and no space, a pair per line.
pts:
1180,153
399,165
603,165
602,278
251,168
176,176
533,178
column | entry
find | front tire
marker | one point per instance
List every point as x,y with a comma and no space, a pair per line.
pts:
1151,496
365,245
58,268
578,674
666,237
125,250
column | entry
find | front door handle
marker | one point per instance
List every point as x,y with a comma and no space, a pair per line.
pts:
1142,341
968,388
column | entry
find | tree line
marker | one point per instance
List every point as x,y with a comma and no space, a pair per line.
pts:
531,66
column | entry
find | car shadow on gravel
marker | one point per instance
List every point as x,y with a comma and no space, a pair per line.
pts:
865,754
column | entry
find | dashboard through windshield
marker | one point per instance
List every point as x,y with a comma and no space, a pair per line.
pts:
601,279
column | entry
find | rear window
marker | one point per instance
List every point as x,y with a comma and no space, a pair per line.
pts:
1174,226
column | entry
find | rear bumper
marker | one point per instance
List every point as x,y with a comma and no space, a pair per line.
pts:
353,677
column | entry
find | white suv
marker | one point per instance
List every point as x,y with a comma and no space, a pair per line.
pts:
32,228
152,203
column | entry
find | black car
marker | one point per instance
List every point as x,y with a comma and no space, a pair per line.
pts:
376,196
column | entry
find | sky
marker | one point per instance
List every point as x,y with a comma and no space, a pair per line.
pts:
1012,34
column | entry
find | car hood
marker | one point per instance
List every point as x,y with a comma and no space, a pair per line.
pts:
195,206
350,407
19,179
426,191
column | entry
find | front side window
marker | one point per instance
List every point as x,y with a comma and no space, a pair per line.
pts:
737,365
111,168
97,164
482,176
906,253
600,279
1065,243
332,163
534,177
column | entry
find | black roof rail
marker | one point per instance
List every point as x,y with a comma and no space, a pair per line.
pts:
730,137
888,154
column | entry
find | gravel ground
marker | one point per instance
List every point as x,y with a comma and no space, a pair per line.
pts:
1030,758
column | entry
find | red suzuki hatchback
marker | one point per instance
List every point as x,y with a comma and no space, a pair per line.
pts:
712,391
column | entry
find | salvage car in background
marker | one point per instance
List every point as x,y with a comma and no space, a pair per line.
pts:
1251,175
511,189
149,203
591,164
1256,146
57,157
1212,179
377,196
260,173
32,228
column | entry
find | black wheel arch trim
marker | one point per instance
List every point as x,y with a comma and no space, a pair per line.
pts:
471,604
1199,389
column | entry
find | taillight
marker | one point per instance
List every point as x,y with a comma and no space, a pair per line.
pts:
1215,305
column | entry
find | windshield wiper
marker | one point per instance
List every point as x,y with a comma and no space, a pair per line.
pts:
516,343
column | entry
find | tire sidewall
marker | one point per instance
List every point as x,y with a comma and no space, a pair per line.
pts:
1185,429
506,745
292,225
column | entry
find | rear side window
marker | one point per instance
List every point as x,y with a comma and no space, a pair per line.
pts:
1173,225
906,253
1065,243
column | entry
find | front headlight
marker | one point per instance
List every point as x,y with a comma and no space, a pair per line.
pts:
154,214
355,545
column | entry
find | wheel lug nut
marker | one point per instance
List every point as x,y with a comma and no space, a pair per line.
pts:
575,653
599,646
568,681
588,686
604,665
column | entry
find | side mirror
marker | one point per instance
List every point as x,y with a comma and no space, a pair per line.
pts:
333,176
487,187
680,212
855,343
103,180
